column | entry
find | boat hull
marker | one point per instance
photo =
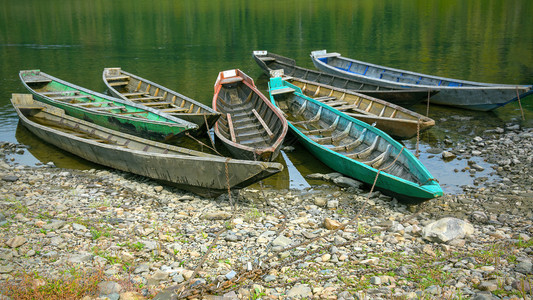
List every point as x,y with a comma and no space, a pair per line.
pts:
335,150
205,175
250,127
401,96
395,120
452,92
133,88
159,126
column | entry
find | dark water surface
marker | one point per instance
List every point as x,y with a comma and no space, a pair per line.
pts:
184,44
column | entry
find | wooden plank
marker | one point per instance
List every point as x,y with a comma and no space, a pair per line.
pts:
118,83
174,110
120,77
282,91
92,103
231,129
133,94
156,103
60,93
268,131
145,98
108,107
72,97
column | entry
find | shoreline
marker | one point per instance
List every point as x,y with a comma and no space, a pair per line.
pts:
153,237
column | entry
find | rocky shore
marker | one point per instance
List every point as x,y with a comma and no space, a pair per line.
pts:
147,240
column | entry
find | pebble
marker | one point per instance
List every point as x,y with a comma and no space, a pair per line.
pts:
155,235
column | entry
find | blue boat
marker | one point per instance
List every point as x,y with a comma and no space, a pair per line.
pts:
352,147
452,92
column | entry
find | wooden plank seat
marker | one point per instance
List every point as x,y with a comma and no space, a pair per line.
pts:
282,91
263,123
109,107
72,97
231,80
336,103
92,103
119,77
230,127
325,98
60,93
134,94
146,98
352,145
380,159
157,103
120,83
323,130
174,110
365,152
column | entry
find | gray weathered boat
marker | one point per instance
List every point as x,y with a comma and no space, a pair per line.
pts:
452,92
104,110
201,173
395,120
250,127
401,96
131,87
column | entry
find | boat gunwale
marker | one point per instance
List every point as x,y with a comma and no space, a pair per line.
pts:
175,122
377,100
427,187
209,109
473,84
250,83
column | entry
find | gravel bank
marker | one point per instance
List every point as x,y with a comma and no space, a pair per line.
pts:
153,237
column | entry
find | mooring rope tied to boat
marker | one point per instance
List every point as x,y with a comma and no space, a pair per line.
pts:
427,106
202,143
207,132
428,180
520,103
417,153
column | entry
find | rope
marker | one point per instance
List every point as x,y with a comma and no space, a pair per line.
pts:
417,154
520,104
427,109
428,180
203,144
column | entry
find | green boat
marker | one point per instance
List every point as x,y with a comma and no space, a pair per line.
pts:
103,110
352,147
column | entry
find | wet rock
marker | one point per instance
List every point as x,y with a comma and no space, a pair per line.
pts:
347,182
447,229
446,155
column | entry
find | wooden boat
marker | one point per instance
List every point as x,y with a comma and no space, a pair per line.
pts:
127,86
201,173
250,126
353,147
395,120
453,92
103,110
401,96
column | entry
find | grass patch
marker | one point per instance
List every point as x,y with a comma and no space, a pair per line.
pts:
74,284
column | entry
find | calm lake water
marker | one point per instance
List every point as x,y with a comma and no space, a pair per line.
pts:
184,44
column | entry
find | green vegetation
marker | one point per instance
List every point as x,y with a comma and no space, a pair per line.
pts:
72,284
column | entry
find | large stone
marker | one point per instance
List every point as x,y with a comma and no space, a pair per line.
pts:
331,224
220,215
55,225
109,287
16,241
347,182
281,241
131,296
446,155
300,291
447,229
524,267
